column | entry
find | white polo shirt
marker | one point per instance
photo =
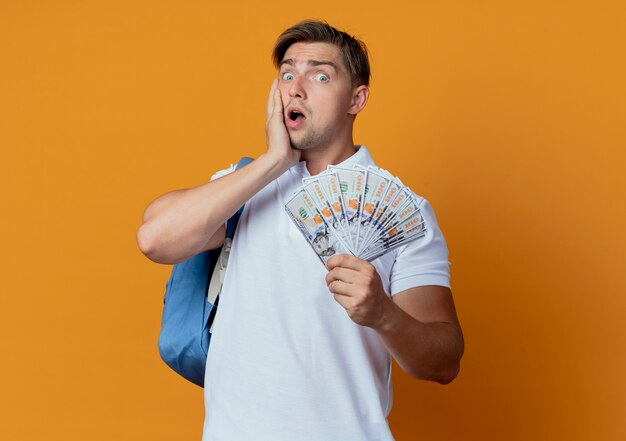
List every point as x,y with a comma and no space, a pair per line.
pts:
285,362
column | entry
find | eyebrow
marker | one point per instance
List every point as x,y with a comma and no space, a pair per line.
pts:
291,62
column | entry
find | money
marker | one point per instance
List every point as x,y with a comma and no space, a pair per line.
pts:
352,185
323,238
363,211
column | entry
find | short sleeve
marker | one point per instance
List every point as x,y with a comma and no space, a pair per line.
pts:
423,261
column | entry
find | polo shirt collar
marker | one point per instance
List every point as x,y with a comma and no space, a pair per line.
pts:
361,156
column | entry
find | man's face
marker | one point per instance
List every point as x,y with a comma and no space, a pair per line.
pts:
317,92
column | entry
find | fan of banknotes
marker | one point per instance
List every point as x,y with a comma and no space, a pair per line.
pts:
361,211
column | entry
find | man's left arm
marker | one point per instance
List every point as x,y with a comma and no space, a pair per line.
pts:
419,326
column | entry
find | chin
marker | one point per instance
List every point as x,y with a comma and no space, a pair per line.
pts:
300,140
303,147
307,142
299,145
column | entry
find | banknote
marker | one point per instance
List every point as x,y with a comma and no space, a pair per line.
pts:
380,212
326,192
324,239
404,233
376,186
408,224
352,185
363,211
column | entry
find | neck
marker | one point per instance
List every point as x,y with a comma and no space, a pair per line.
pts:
318,159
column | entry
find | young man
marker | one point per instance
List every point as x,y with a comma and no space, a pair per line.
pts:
300,351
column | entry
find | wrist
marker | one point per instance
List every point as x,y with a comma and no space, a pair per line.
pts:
387,320
277,162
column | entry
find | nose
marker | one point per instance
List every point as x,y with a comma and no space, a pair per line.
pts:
296,88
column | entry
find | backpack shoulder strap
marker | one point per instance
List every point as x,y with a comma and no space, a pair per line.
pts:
216,279
231,225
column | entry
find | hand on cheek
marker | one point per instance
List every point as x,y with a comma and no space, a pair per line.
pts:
357,287
276,135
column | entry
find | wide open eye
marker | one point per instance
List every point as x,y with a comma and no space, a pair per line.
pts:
322,77
288,76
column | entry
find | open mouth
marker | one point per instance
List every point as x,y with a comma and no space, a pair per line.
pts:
294,115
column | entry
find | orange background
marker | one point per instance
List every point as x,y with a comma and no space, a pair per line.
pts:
508,116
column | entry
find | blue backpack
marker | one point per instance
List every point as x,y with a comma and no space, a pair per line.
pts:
187,312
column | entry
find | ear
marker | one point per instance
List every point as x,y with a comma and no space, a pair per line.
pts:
360,94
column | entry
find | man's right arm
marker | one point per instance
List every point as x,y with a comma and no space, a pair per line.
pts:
183,223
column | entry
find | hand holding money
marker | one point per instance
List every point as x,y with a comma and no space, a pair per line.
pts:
357,287
365,212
